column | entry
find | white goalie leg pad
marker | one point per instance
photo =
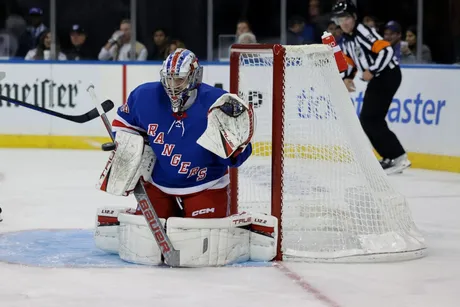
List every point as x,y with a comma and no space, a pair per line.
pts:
264,237
106,231
136,242
130,161
210,242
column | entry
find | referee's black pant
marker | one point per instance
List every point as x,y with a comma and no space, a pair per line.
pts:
377,99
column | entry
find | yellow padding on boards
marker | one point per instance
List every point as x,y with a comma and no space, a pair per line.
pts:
298,151
326,153
52,141
339,153
435,162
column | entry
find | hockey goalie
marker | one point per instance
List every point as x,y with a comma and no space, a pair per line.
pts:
180,137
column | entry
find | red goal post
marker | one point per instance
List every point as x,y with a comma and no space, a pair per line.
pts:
277,131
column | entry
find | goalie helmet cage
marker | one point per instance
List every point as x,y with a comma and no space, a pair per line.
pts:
312,166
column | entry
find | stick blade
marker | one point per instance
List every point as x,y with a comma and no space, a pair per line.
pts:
106,106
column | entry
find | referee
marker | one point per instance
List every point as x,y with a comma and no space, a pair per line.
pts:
367,52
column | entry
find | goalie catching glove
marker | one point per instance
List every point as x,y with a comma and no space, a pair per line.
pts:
131,161
230,126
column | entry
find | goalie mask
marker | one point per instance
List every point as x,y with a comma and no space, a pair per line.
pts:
180,75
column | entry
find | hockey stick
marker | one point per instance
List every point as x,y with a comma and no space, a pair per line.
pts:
171,255
83,118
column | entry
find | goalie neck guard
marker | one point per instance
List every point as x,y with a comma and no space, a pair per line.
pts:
180,75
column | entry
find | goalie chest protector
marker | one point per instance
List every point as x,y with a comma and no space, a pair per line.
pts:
181,162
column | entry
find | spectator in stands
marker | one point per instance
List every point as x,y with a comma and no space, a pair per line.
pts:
242,26
160,49
316,23
296,26
411,38
392,34
370,22
12,37
247,38
37,27
8,45
339,35
43,50
174,45
118,47
80,49
17,26
336,31
331,27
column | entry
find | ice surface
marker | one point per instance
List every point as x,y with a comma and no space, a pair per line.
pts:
55,189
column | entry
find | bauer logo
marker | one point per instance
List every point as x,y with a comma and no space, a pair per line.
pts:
153,225
418,109
43,93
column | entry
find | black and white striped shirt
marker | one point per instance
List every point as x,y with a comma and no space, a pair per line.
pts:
365,49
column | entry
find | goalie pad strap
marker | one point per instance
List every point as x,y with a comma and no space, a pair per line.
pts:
264,237
106,233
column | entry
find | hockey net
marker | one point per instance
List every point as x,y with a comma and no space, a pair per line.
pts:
312,165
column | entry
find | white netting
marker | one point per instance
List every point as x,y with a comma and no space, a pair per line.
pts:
337,202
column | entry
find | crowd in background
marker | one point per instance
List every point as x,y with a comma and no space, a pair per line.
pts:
29,37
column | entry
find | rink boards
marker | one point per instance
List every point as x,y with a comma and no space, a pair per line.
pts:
424,113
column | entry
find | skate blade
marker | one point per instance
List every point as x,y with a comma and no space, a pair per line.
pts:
398,169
